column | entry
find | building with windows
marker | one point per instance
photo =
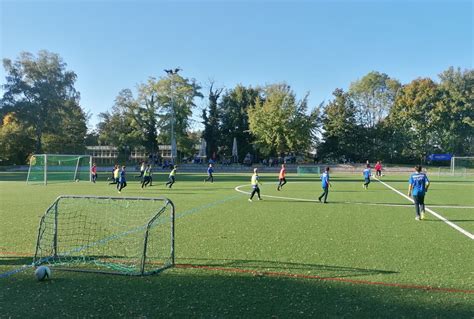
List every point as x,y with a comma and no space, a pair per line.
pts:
109,155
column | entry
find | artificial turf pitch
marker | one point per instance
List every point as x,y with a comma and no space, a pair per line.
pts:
361,255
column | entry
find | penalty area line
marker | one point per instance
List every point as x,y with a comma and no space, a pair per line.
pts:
432,212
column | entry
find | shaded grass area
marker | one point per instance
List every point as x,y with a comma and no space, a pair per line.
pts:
191,293
217,228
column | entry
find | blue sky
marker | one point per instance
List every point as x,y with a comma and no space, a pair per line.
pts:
314,46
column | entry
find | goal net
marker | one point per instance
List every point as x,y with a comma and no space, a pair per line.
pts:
462,166
119,235
45,168
302,170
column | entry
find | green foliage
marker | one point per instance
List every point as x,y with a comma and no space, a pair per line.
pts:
176,97
373,96
454,113
41,93
412,118
16,141
281,124
118,126
340,131
211,123
234,119
145,114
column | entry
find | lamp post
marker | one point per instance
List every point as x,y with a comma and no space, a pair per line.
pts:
174,153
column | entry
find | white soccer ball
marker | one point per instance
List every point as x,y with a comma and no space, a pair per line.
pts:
43,273
77,180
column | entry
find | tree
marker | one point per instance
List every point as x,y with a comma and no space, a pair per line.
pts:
280,124
234,119
411,119
340,131
211,123
373,97
69,137
41,93
176,98
454,114
118,127
145,114
16,141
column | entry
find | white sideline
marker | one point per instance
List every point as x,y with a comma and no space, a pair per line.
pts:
453,225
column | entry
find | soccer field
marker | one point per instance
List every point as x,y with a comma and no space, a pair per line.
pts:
361,255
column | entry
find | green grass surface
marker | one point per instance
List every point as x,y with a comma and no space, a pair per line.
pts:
277,257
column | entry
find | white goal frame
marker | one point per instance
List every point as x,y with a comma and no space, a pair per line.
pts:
453,161
76,169
51,248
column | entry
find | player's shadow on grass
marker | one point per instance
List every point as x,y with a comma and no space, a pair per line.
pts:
262,266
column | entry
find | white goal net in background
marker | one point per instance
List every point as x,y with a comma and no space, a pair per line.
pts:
47,168
121,235
462,166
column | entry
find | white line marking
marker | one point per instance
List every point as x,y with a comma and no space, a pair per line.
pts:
237,188
453,225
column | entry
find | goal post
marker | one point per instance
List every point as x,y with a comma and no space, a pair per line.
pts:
116,235
45,168
308,169
462,165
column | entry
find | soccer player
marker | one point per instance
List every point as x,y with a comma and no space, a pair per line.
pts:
146,176
122,182
210,170
255,182
418,186
366,174
151,175
171,177
115,175
325,184
378,169
143,167
281,177
94,173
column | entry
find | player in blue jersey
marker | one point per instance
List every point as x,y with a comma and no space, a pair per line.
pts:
325,184
210,170
366,174
122,182
419,184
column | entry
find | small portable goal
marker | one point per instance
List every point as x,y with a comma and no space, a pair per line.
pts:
116,235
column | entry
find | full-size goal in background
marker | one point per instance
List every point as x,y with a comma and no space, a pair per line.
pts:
45,168
306,169
462,165
119,235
